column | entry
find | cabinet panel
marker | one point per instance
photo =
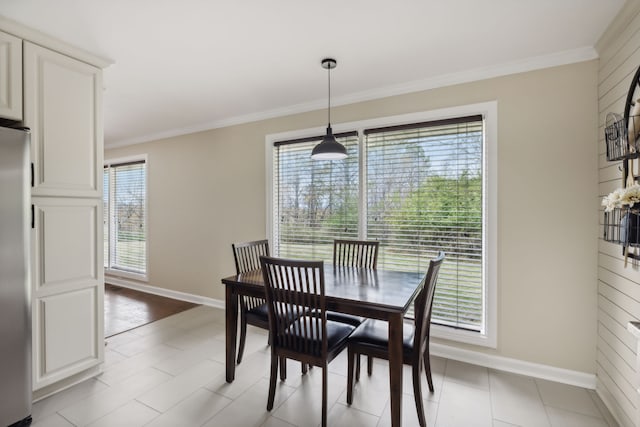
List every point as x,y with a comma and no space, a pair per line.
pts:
67,340
10,77
67,287
67,239
62,108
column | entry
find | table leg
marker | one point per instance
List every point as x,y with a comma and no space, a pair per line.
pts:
395,368
231,331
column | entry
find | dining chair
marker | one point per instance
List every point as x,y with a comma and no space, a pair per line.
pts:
253,310
356,253
298,286
353,253
371,338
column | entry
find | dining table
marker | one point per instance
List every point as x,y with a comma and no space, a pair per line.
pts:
365,292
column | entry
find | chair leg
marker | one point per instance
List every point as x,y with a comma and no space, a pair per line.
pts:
357,356
350,362
427,372
417,394
324,395
272,381
243,334
283,368
369,365
303,368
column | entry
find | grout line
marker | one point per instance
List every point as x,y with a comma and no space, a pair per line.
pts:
491,396
64,418
544,406
135,399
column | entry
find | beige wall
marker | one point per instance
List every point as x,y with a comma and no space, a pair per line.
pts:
207,190
618,290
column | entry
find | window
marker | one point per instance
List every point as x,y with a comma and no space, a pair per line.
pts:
125,224
417,187
424,194
315,202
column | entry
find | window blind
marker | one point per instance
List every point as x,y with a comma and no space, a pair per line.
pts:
105,215
422,188
125,217
424,194
315,202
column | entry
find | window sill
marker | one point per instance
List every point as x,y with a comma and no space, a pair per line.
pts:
463,336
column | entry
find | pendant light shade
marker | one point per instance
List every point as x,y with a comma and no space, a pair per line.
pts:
329,148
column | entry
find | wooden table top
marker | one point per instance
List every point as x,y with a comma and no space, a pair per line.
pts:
355,290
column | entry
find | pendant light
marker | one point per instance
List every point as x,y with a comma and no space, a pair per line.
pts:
329,148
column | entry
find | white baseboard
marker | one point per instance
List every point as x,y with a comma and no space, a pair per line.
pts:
163,292
66,383
516,366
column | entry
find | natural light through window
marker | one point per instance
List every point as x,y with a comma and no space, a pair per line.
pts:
417,188
124,204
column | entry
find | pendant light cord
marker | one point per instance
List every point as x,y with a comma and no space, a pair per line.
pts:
329,101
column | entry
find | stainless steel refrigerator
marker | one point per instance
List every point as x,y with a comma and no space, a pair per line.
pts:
15,295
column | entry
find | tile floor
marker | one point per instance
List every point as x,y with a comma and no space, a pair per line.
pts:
171,373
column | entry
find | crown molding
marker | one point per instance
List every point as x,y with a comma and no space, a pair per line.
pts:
477,74
34,36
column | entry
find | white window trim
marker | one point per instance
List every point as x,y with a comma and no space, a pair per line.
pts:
489,110
128,274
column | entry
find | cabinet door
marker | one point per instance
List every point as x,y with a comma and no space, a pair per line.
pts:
67,288
63,109
10,77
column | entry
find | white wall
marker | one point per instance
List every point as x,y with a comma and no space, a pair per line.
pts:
618,290
207,190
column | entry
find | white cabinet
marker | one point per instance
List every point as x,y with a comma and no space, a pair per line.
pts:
63,110
10,77
67,290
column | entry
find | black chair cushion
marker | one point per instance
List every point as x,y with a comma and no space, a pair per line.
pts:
337,332
261,312
345,318
349,319
376,332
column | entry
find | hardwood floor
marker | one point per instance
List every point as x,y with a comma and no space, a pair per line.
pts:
125,309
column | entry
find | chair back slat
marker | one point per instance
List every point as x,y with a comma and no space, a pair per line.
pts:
247,255
247,258
293,289
355,253
424,304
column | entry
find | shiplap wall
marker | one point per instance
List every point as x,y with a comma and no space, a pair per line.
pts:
618,286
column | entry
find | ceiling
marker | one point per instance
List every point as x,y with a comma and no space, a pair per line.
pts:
186,65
